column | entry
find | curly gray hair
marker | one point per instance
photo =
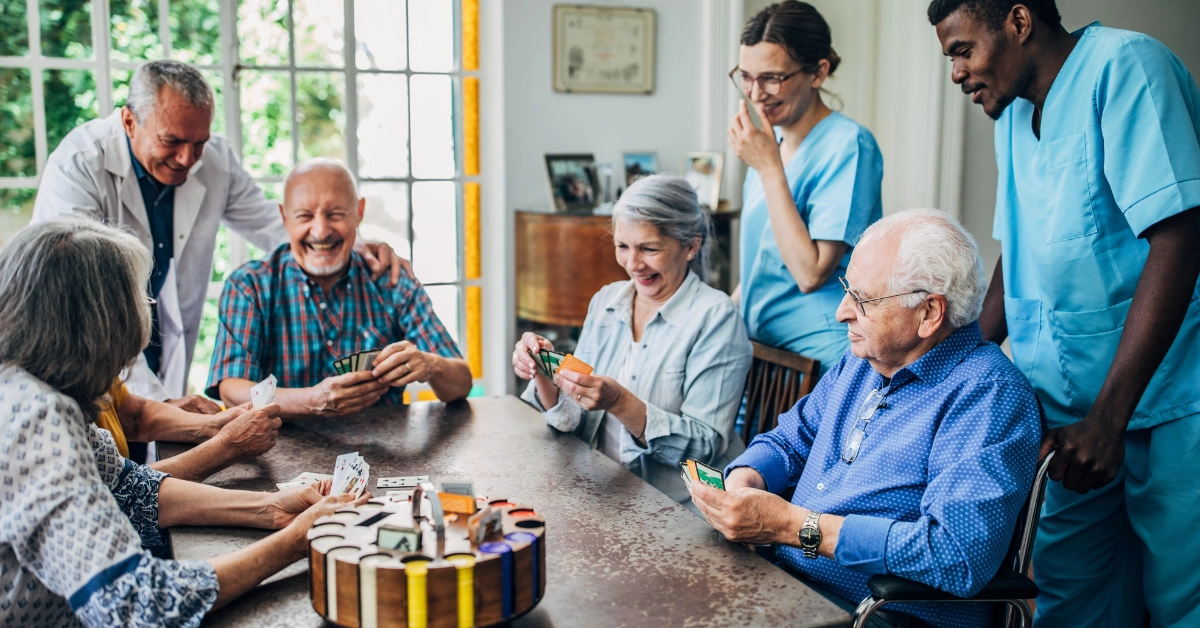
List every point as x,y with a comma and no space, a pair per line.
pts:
936,255
73,301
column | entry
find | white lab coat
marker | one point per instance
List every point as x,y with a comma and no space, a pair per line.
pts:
91,174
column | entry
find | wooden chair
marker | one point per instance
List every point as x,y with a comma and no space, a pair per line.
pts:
777,380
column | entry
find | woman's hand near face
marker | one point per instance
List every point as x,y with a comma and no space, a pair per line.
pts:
757,148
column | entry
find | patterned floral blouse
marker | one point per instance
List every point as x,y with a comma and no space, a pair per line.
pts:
74,516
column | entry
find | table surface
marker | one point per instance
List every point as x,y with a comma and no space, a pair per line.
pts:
619,552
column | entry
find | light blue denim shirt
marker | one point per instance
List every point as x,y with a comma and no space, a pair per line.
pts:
690,373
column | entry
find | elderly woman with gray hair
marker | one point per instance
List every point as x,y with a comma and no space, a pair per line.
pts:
74,514
670,354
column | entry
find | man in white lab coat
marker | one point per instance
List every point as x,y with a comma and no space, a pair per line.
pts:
154,168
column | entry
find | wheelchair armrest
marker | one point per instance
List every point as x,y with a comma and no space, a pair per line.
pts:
1006,585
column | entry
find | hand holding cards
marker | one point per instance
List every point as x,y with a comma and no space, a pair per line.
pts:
361,361
549,362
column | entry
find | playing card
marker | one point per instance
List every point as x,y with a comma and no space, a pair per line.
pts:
355,361
709,475
360,482
553,360
263,392
304,479
460,487
404,481
368,361
344,471
572,363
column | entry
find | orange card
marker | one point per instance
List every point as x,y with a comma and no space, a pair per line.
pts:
691,466
461,504
572,363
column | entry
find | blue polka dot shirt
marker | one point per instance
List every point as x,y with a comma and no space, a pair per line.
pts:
939,479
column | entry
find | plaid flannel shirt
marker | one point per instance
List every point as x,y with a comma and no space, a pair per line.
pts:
275,320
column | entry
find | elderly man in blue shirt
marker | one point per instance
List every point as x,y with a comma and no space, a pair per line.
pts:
914,454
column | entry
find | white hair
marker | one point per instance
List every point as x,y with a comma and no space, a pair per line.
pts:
669,203
935,255
150,78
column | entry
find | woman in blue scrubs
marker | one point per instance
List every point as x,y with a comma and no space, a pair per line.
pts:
812,189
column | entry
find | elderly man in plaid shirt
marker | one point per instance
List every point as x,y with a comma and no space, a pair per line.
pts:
312,301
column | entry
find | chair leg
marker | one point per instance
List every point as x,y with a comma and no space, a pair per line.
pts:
865,609
1024,616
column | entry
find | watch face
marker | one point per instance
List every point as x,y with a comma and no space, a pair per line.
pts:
810,537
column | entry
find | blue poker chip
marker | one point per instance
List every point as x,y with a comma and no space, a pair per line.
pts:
521,537
496,547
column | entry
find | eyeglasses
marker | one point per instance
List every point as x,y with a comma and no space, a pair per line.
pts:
151,300
874,401
769,83
860,301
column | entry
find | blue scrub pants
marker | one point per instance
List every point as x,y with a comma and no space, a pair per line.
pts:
1106,557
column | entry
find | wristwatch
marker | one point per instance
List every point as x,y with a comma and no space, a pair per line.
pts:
810,534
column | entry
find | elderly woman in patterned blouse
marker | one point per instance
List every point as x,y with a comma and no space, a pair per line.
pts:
74,514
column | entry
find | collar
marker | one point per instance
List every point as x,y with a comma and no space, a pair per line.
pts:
936,364
354,267
621,304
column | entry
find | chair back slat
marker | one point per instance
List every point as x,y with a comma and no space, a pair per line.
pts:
777,380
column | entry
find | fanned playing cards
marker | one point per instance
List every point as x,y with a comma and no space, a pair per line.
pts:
548,363
350,475
263,393
361,361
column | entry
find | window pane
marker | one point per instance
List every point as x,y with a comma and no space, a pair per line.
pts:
217,81
274,192
134,30
431,31
66,28
379,29
14,30
195,31
382,125
222,256
433,127
262,32
446,305
16,208
17,153
205,342
319,27
70,101
385,218
435,231
120,86
321,115
266,122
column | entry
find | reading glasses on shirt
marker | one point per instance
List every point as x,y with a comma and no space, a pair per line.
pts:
860,301
873,402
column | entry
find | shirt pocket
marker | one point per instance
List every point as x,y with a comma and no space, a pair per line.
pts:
1087,344
1024,320
1070,221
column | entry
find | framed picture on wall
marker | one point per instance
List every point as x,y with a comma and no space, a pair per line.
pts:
603,49
703,171
638,165
573,182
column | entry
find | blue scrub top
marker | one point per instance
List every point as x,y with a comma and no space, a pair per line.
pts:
835,177
1118,153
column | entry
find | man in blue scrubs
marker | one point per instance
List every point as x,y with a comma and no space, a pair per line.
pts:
1096,142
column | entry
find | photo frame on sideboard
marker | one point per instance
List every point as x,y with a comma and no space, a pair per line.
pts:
574,186
702,169
638,165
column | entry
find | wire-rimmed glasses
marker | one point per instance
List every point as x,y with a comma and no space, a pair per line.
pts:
860,301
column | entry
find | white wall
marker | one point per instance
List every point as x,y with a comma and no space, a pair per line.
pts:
539,120
1172,22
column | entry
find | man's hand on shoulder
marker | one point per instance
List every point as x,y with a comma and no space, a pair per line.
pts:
196,404
380,258
344,394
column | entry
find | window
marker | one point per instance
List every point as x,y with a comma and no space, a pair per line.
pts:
387,87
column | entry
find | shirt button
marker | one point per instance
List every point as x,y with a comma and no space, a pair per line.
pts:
160,245
635,377
821,486
321,305
328,343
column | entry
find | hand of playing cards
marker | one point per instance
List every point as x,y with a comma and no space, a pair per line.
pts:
361,361
694,471
350,475
549,362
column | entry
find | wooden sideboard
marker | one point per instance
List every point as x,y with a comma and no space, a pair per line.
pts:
562,261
